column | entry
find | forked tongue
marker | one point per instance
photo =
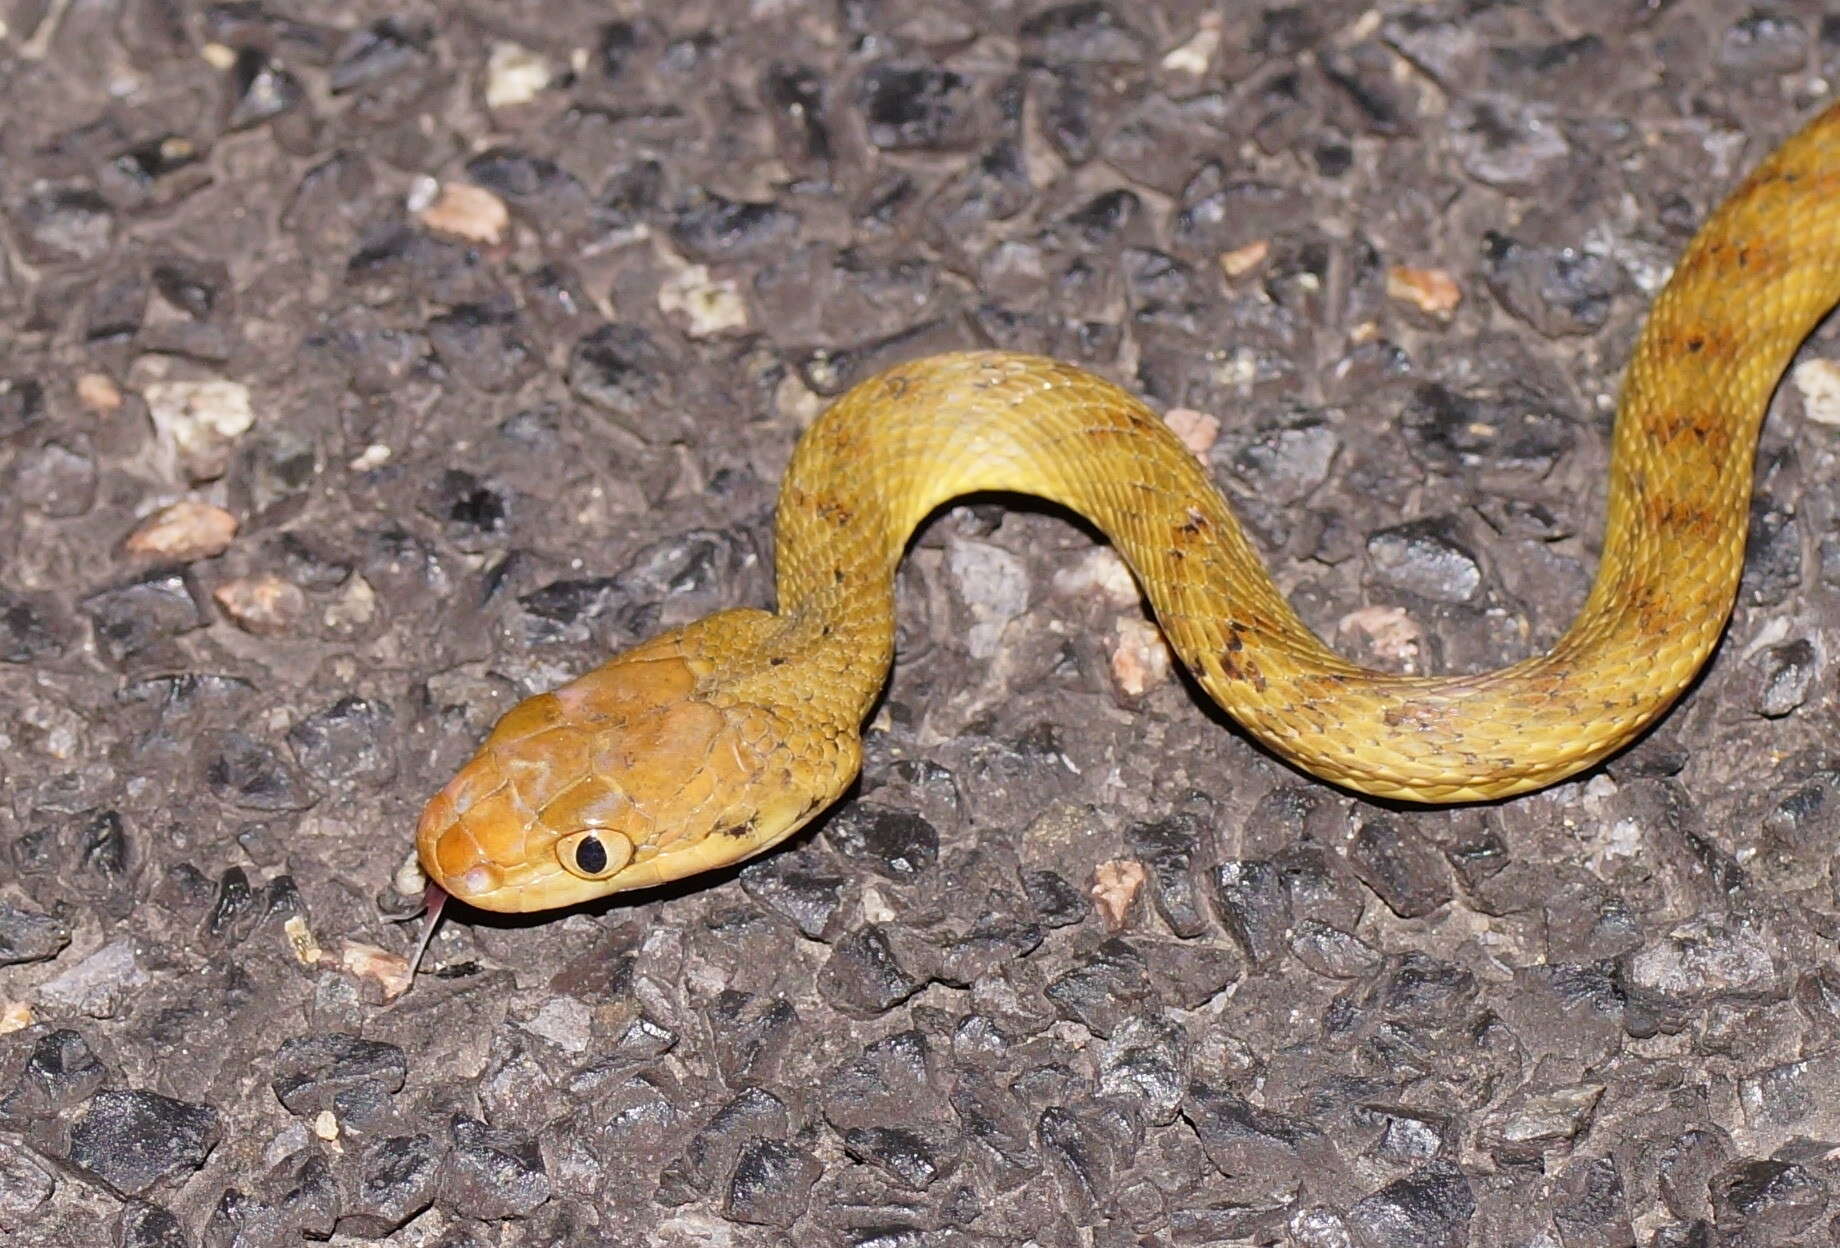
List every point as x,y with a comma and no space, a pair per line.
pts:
434,901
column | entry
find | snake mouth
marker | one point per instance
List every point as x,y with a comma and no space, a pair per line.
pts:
474,883
454,858
489,886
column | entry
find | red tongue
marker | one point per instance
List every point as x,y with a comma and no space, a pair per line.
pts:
434,900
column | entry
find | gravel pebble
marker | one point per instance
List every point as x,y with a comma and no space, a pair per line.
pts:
1703,959
136,1141
143,613
265,605
199,421
25,1186
98,986
491,1174
1506,144
1787,671
1557,290
29,936
1250,897
143,1225
184,532
397,1177
321,1071
864,974
1429,1208
1402,869
1425,557
1170,848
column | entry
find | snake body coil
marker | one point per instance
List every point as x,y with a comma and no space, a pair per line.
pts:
706,745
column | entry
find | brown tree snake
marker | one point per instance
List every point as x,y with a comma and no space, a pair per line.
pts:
708,744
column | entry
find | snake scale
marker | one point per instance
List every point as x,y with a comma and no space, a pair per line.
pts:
706,745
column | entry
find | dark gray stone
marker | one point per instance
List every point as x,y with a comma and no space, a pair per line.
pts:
32,627
142,613
58,225
1785,674
1591,1208
915,107
622,371
898,845
1424,557
864,974
1429,1208
1506,144
1253,903
1331,951
1557,290
349,742
1104,988
143,1225
1401,867
391,1181
248,772
61,1073
1258,1148
1146,1061
490,1173
134,1142
707,1165
1058,903
799,885
25,1186
1169,848
1762,43
321,1071
771,1183
29,936
1767,1201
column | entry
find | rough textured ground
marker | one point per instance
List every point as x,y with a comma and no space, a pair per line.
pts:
466,455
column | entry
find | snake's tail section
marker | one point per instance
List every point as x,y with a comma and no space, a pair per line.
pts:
1753,283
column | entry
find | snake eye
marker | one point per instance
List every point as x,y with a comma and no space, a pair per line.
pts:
594,854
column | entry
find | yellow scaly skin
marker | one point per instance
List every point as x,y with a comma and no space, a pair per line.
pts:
709,744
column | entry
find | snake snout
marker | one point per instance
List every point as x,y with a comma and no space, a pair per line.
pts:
525,824
460,829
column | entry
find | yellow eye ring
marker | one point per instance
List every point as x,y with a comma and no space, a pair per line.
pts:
594,854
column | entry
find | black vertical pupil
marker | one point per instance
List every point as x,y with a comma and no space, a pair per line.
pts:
591,856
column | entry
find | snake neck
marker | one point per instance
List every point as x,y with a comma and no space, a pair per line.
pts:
896,447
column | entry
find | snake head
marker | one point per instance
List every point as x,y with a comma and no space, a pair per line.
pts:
633,775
